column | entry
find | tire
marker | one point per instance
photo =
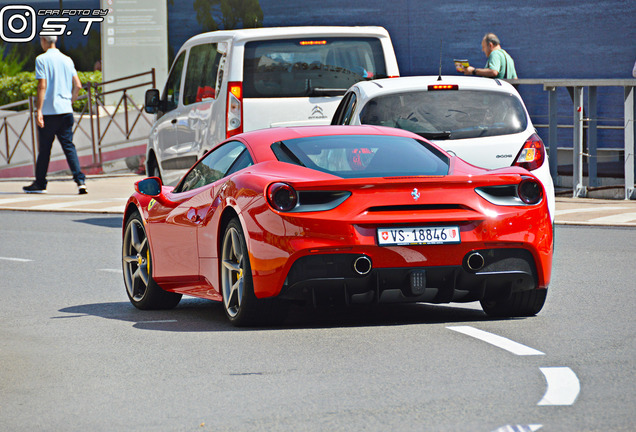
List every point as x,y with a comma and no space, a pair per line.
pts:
520,304
241,306
143,292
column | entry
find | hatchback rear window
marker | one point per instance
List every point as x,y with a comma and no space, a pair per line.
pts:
362,156
313,66
448,114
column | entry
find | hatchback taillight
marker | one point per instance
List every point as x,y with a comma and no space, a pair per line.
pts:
532,154
234,109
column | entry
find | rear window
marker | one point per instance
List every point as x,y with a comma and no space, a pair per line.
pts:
361,156
448,114
310,67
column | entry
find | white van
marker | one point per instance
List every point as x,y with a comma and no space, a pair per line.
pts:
226,82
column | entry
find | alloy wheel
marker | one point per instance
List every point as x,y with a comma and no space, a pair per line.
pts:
232,271
136,260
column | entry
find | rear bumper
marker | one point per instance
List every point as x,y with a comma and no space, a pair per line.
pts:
332,277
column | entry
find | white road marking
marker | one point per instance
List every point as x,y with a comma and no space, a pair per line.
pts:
619,218
118,209
563,386
498,341
15,259
585,210
519,428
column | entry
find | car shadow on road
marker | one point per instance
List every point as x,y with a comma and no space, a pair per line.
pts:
107,222
196,315
191,315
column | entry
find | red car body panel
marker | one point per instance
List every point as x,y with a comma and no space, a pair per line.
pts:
184,229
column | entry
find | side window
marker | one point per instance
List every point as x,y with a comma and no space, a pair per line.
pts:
200,80
339,114
173,85
219,163
349,109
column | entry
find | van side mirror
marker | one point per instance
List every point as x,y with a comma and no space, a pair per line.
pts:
152,100
150,186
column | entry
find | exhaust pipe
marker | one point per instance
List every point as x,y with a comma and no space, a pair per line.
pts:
475,261
362,265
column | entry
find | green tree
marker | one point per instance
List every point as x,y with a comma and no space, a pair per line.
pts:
11,61
228,14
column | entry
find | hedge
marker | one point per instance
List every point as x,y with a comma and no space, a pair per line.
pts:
21,86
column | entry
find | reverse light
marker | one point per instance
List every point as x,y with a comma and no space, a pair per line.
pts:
234,109
433,87
530,191
532,154
282,197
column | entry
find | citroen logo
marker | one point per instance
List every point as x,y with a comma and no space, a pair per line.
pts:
317,110
317,113
415,194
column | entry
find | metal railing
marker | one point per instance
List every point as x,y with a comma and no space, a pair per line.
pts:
586,123
124,116
8,149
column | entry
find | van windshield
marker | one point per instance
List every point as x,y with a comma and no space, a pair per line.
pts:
310,67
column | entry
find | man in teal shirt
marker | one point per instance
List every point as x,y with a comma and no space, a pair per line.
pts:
499,64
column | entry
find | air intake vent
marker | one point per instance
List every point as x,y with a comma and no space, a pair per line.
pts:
417,207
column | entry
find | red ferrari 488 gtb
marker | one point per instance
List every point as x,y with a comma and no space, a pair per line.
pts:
364,214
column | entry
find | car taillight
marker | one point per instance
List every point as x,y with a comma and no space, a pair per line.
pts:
282,197
532,154
234,109
530,191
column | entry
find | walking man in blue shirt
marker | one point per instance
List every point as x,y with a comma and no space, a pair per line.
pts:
58,88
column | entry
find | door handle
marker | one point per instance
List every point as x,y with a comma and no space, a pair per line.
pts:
174,121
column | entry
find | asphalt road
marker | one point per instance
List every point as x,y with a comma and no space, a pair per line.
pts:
76,356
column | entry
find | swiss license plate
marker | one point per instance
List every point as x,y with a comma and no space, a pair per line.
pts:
418,235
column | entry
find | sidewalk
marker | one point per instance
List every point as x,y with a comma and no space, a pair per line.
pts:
109,193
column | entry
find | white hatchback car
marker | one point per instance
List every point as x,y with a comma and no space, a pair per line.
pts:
226,82
483,121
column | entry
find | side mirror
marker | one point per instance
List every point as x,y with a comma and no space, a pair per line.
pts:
150,186
152,100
